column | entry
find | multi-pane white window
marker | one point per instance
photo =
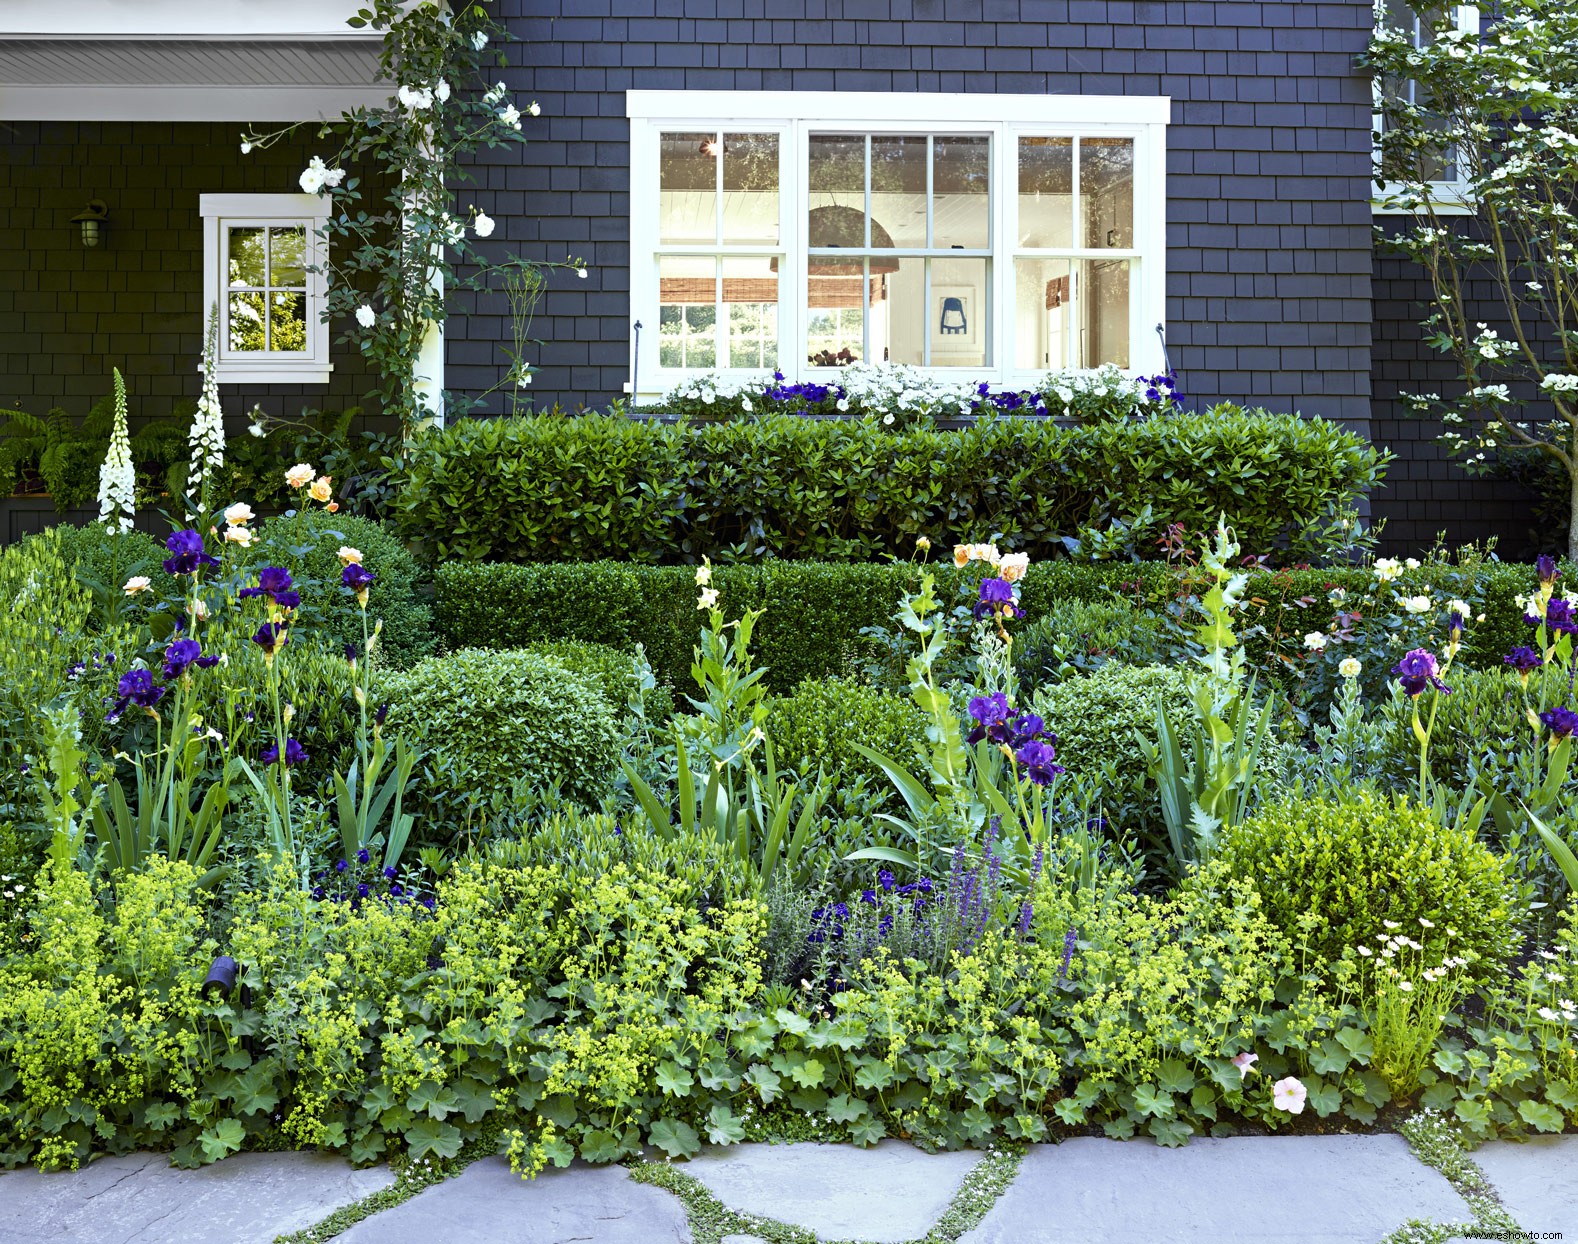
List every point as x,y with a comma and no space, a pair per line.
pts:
1446,181
261,268
999,235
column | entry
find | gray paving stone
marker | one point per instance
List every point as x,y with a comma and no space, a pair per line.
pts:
742,1239
1537,1181
889,1192
141,1199
488,1203
1310,1189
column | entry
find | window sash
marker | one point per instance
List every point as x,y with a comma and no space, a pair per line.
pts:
220,214
749,113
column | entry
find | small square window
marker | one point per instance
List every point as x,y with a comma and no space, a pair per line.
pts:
261,268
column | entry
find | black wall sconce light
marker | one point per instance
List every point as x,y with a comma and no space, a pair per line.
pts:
92,220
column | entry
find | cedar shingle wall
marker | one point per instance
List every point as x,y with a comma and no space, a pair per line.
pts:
68,314
1269,247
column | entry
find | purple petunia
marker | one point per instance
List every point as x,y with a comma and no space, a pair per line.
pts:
182,654
1418,670
1562,722
295,754
188,553
1038,760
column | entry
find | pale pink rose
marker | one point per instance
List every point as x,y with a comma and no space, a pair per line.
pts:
137,584
349,555
300,475
1013,567
239,514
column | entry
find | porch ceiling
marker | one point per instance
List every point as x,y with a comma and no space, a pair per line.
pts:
187,79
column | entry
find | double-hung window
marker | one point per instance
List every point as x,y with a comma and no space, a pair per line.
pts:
262,269
1444,178
998,236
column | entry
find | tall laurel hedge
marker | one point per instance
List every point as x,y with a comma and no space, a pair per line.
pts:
546,489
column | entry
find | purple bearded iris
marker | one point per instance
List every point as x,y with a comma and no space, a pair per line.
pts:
1418,670
991,718
1026,728
188,553
1562,722
357,578
137,687
997,596
1524,660
274,582
183,653
295,754
1559,617
1545,567
271,637
1038,760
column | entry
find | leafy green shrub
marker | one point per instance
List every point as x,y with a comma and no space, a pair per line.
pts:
307,544
571,489
106,557
817,610
1079,636
816,724
609,671
1344,867
485,718
1095,718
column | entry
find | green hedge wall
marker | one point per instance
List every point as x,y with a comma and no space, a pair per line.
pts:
816,610
555,489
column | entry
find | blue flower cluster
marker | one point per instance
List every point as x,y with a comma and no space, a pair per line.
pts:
359,880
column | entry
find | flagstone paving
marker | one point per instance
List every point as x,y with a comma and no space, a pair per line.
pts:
1315,1189
140,1198
1537,1181
488,1203
888,1193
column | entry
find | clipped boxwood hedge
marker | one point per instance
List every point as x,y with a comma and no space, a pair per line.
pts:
556,489
815,611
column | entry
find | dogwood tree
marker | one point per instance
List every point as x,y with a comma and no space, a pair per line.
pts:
1478,146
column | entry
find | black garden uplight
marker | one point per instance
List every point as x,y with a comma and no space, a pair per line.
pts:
221,981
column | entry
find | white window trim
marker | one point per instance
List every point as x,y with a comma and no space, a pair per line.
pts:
1448,198
792,115
220,211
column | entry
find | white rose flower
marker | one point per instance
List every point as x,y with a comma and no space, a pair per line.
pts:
534,109
366,316
246,148
137,584
1416,604
511,116
479,41
581,272
415,98
239,514
441,91
313,177
483,225
1315,641
1412,563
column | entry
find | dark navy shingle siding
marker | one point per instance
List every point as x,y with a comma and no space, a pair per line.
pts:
1269,243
